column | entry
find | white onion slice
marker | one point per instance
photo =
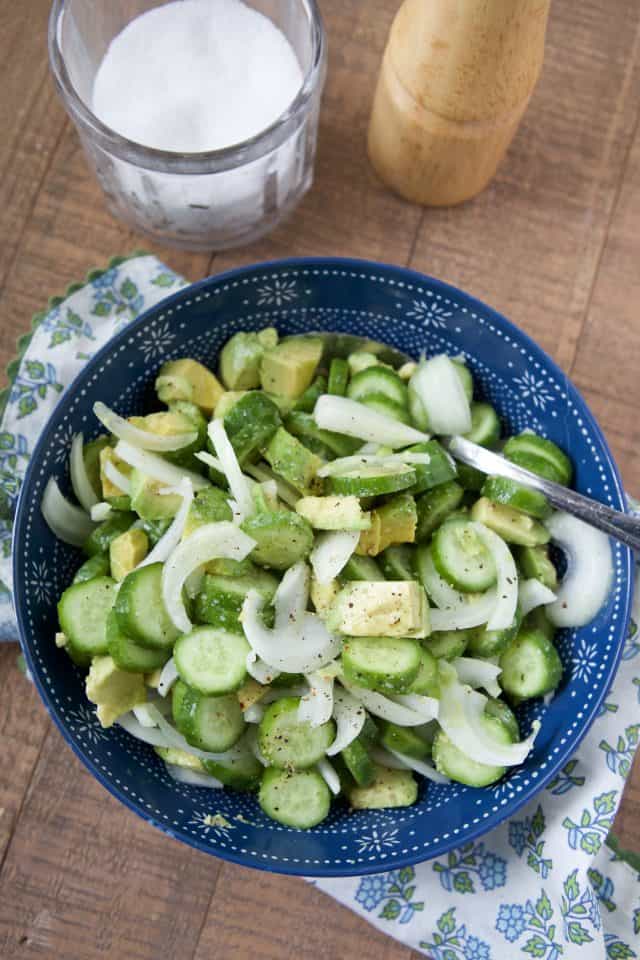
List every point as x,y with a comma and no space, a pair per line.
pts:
212,541
208,458
478,673
254,713
532,594
100,511
463,616
156,468
442,593
175,739
144,439
82,486
117,477
350,716
172,536
331,552
438,387
507,585
427,770
68,522
386,759
264,475
316,706
192,778
144,717
357,420
291,598
238,483
291,651
277,693
329,776
587,582
381,706
259,670
150,735
254,746
427,707
345,464
168,676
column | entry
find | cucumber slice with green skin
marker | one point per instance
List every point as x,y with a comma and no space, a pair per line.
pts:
514,494
338,377
296,799
250,424
83,609
540,466
461,558
485,425
469,478
91,457
381,403
212,661
490,643
417,411
307,401
535,562
390,788
129,655
466,378
503,712
380,382
241,772
96,566
220,598
140,609
206,722
456,765
447,644
285,742
287,680
434,507
403,740
303,426
361,568
99,540
387,664
530,666
440,469
530,445
359,763
427,682
370,481
397,563
282,538
538,621
155,529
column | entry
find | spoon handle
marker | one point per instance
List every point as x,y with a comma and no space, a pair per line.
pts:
623,526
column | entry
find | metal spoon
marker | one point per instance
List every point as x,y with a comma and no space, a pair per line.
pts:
623,526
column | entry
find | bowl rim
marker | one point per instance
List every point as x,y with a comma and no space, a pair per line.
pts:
495,819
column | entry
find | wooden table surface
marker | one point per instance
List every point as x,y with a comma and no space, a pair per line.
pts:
553,243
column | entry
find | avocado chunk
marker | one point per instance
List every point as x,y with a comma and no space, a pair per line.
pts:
390,788
535,562
333,513
148,502
250,424
323,594
227,402
127,551
241,356
188,380
393,523
250,692
113,494
291,460
164,424
381,608
114,691
512,525
289,368
360,360
180,758
208,506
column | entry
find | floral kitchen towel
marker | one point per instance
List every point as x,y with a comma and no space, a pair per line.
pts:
548,884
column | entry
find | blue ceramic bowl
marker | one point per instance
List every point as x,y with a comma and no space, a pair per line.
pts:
414,313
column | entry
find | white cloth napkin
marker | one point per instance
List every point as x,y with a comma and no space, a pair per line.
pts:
547,884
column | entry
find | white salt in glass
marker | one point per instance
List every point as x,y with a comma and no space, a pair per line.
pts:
199,201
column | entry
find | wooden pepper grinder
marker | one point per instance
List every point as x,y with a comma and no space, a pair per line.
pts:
455,80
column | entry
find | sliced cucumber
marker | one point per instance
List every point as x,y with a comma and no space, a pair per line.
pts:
390,788
404,740
250,424
287,742
535,562
427,682
282,538
361,568
307,401
465,377
490,643
83,610
530,666
99,540
388,664
296,799
434,506
503,712
129,655
440,469
469,478
370,481
461,557
485,425
447,644
96,566
358,762
378,381
140,609
382,403
208,723
514,494
537,620
397,563
338,377
242,771
538,451
330,444
155,529
211,660
456,765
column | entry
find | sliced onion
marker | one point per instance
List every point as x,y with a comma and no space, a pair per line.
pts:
236,512
172,536
316,706
238,483
350,716
329,776
100,511
68,522
144,439
254,713
478,673
345,464
261,473
193,582
156,468
168,676
587,582
507,586
252,740
144,717
277,693
175,739
442,593
438,387
82,486
259,670
532,594
289,652
427,707
212,541
385,759
464,615
207,458
192,777
357,420
381,706
331,552
419,766
461,712
150,735
117,477
291,598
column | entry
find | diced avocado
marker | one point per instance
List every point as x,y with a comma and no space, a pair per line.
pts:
250,424
535,562
241,356
512,525
291,460
91,457
163,424
370,540
180,758
208,506
177,421
153,679
113,691
390,788
148,502
397,524
231,568
127,551
387,608
227,402
289,368
118,499
99,539
250,692
323,594
333,513
188,379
